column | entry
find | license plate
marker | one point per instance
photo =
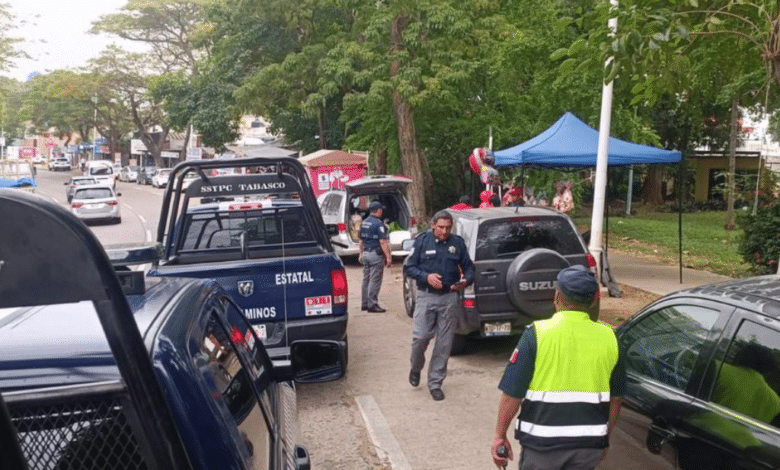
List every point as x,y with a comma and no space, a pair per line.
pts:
497,329
93,206
260,332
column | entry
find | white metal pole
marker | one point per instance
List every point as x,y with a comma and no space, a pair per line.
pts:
602,156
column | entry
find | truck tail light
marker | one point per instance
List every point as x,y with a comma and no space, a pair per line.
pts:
338,286
245,206
591,261
76,205
414,221
112,203
469,303
342,228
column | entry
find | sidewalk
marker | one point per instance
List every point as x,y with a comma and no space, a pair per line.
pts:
657,278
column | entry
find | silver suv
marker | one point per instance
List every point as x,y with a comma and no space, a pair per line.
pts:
344,209
517,253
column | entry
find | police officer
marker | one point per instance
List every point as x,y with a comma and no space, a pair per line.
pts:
568,374
441,265
374,256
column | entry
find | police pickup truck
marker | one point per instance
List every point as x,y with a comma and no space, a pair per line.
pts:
101,370
253,226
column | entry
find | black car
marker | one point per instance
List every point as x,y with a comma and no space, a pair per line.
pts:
703,369
517,252
145,174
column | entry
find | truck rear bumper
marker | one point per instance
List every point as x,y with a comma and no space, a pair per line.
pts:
280,337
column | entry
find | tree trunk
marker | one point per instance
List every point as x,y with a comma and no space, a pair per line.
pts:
412,159
731,218
651,189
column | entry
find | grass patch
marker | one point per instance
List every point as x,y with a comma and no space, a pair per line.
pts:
706,244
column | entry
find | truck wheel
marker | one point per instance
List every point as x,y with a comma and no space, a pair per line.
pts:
458,345
530,280
410,295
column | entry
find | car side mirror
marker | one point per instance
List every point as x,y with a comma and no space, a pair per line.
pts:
65,183
118,194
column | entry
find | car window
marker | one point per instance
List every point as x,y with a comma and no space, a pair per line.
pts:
93,193
506,238
223,229
664,345
233,382
100,170
748,380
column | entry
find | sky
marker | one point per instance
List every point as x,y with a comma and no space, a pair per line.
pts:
56,33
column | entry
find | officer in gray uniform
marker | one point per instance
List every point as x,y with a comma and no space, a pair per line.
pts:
441,265
374,256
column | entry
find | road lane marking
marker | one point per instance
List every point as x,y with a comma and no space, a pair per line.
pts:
385,444
141,218
148,235
128,206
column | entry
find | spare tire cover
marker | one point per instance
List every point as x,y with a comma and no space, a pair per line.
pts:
530,281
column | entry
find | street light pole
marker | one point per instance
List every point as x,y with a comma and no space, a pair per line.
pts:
94,126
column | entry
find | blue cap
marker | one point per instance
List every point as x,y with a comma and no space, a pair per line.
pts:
374,206
578,283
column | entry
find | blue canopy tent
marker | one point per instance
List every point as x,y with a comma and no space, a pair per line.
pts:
570,143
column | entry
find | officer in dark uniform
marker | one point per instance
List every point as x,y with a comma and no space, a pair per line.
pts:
441,265
374,256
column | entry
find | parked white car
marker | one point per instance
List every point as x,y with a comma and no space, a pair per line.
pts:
160,179
343,210
128,173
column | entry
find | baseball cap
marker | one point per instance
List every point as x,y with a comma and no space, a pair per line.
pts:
374,206
578,283
514,191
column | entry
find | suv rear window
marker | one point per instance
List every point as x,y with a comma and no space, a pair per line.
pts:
264,227
93,193
506,238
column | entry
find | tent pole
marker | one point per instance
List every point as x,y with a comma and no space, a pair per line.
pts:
630,194
606,220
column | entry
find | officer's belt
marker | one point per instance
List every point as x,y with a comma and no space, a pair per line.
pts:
431,290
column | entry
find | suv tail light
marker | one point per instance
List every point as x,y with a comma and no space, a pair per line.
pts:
338,286
342,228
591,261
469,303
113,203
76,205
414,221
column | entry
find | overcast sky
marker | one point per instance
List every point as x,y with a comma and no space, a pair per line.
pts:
56,33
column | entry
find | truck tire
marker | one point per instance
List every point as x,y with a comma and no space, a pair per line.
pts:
458,345
410,295
530,281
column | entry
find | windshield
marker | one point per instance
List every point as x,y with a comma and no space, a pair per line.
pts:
100,170
503,238
93,193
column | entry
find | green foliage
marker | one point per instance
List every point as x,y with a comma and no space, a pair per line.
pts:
760,246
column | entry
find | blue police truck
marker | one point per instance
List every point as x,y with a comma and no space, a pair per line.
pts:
254,226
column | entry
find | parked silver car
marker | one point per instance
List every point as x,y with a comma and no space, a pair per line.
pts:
76,181
343,210
96,202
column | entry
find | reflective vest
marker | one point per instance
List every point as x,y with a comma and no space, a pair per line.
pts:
567,402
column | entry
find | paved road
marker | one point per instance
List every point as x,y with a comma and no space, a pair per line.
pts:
342,422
